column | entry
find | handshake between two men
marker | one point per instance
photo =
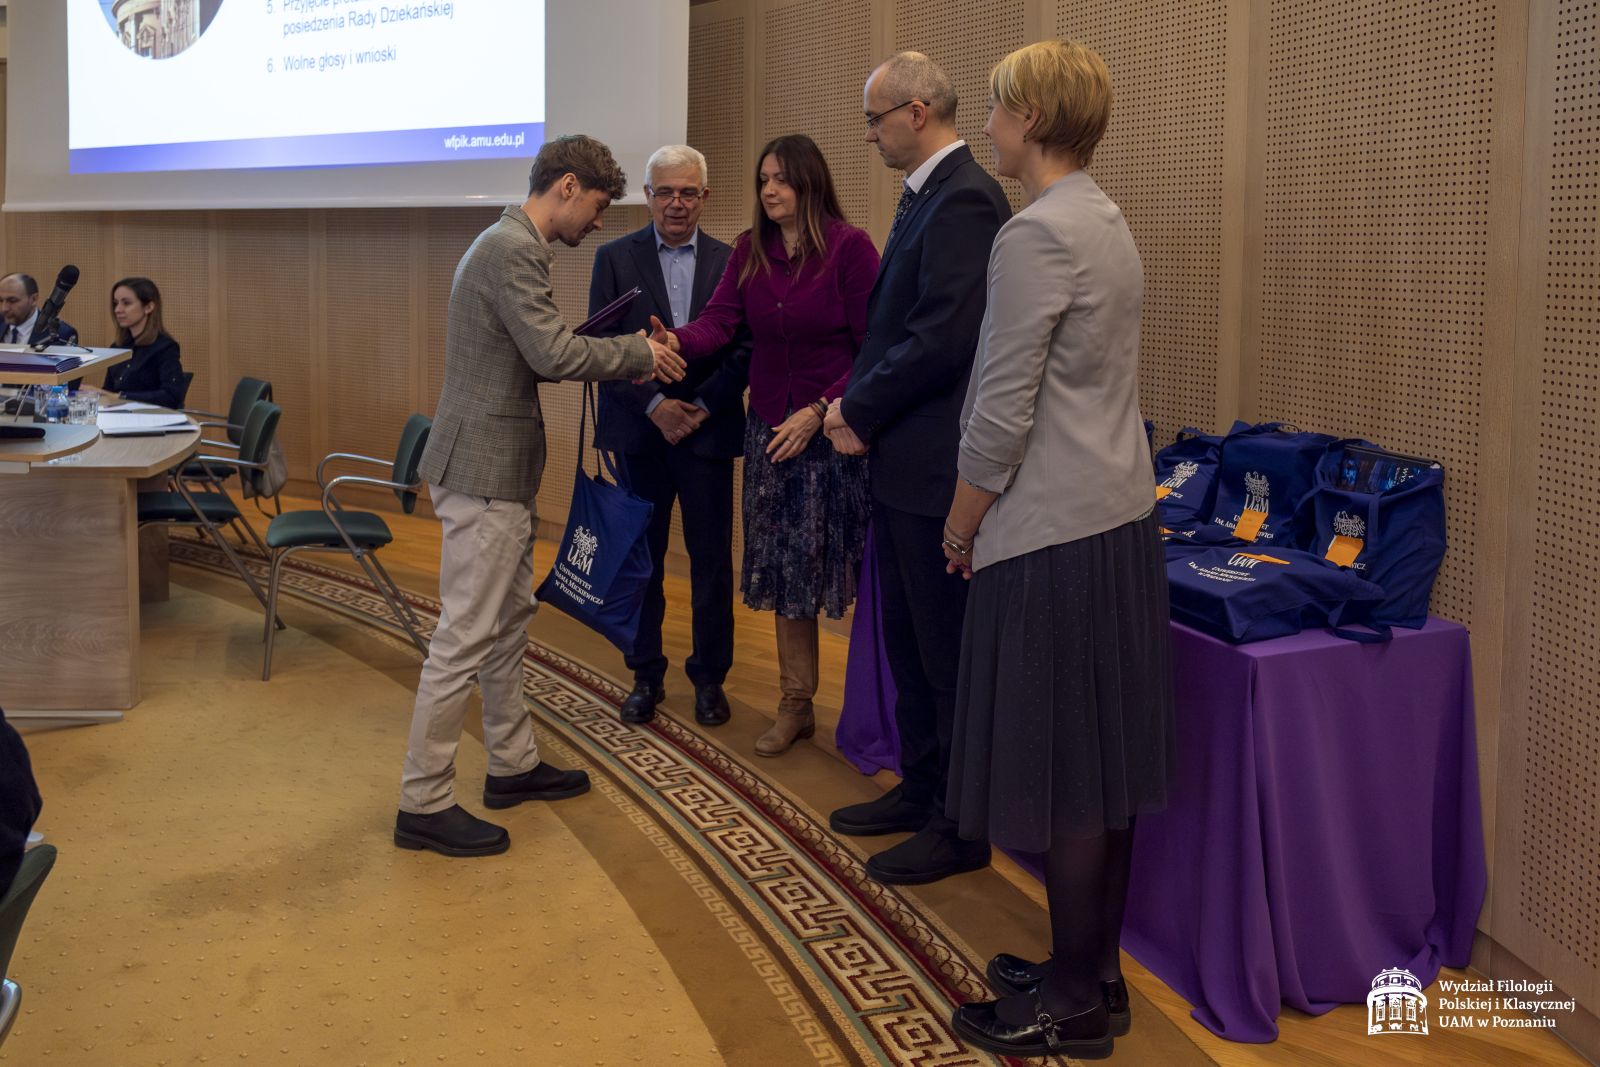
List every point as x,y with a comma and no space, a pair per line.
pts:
677,419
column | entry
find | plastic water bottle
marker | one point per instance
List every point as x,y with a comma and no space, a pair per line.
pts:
55,404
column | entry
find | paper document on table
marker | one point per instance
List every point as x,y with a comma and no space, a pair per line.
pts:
131,405
122,424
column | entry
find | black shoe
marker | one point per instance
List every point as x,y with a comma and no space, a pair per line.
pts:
1012,975
1086,1035
451,832
711,705
889,814
927,856
544,782
640,705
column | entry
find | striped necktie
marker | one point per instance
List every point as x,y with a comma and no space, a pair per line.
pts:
907,198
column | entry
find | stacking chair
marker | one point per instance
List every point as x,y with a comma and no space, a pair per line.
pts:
36,864
210,511
360,533
246,395
185,379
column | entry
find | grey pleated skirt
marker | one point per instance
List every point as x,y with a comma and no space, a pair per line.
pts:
1064,704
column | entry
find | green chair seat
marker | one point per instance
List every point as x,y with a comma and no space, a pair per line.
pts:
313,529
171,507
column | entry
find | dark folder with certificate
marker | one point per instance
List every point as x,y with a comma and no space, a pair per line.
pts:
609,315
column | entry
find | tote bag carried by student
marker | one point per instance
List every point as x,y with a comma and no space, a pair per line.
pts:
1245,593
1382,515
603,562
1264,472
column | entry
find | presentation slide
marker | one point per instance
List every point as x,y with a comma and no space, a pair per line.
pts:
182,85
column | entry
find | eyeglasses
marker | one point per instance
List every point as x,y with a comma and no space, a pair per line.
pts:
667,196
873,120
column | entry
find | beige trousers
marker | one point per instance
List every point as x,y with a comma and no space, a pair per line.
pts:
486,593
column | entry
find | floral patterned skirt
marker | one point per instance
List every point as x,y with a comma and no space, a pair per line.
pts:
805,527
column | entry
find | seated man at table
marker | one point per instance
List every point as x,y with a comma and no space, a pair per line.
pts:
19,310
19,802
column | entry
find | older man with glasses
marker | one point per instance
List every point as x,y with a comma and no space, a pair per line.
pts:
677,441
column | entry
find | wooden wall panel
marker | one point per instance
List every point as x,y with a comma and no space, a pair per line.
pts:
268,329
1161,161
718,125
369,336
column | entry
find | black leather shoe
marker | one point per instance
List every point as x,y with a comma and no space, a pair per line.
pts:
544,782
1012,975
1086,1035
640,705
451,832
927,856
889,814
711,705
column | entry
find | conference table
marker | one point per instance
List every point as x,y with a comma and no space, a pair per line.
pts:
1323,821
69,573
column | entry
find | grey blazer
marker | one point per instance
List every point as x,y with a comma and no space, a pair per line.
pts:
505,336
1051,420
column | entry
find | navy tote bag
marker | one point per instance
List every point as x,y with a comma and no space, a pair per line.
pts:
603,562
1264,473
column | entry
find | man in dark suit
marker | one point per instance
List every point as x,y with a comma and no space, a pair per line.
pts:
903,406
19,312
677,441
19,802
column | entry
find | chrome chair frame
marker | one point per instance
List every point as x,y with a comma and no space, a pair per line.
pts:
367,557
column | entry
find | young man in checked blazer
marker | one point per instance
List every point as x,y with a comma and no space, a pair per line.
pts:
482,463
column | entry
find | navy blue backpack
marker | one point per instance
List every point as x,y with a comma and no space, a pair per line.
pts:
1242,593
1264,472
1382,515
603,564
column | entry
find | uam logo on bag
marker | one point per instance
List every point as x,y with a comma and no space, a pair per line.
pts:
1349,538
1180,474
1248,560
584,546
1257,489
1397,1004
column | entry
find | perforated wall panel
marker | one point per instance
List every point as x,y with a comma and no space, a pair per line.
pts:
1559,884
815,59
266,258
369,330
1161,162
966,40
173,249
1375,235
719,88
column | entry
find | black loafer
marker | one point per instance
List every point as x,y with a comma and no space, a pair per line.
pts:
1012,975
927,856
451,832
711,705
889,814
544,782
1086,1036
639,706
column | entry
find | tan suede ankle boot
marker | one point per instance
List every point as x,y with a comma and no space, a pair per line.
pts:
797,675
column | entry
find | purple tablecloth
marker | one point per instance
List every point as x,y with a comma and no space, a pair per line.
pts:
867,734
1324,824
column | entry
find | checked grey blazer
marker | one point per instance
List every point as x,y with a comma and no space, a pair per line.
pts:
505,336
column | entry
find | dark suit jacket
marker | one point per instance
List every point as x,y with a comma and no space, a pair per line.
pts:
154,375
910,377
719,380
65,334
19,802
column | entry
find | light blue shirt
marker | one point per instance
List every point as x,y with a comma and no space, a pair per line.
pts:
677,273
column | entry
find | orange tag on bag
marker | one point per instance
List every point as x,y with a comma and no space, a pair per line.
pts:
1343,550
1248,528
1162,491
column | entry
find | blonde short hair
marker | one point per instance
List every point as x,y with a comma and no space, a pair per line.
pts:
1066,85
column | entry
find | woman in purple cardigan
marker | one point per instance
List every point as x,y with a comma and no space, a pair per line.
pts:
799,278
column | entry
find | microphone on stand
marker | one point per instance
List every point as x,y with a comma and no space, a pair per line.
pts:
48,324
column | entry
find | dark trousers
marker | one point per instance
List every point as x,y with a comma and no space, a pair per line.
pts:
922,609
704,489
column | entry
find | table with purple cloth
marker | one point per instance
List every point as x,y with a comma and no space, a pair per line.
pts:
1323,825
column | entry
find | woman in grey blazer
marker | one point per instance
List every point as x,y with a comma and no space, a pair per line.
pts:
1063,727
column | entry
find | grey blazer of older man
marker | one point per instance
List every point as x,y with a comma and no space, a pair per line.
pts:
504,336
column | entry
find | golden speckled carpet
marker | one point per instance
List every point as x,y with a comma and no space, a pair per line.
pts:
227,889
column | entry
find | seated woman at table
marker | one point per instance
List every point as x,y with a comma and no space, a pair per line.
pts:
155,373
1063,731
